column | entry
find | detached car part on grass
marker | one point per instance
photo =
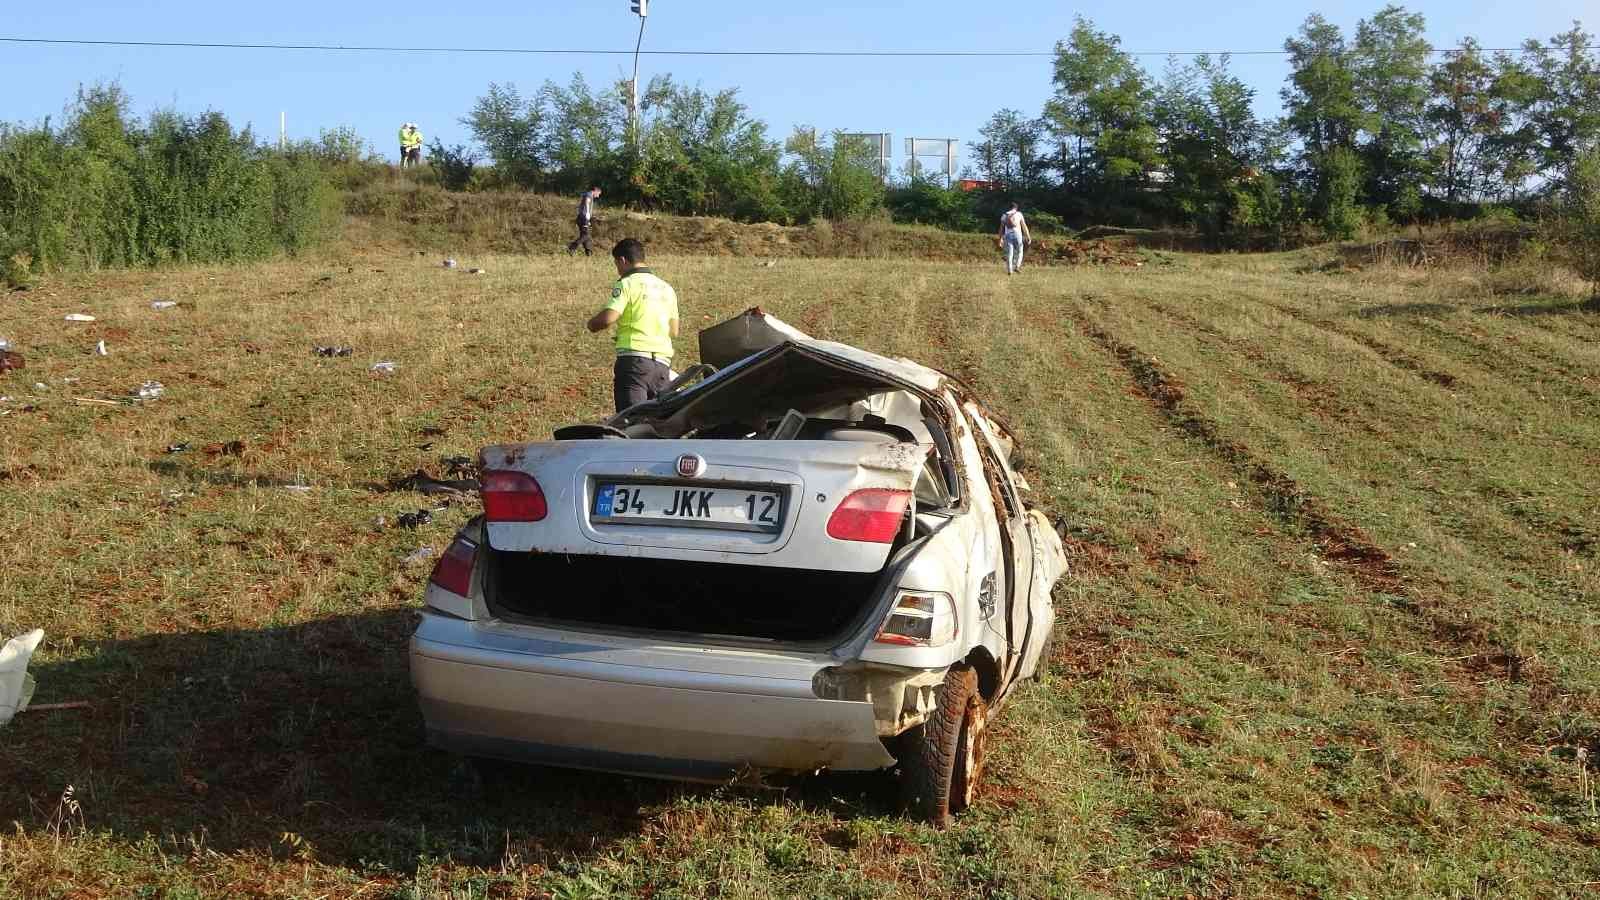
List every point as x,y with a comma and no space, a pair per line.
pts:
803,556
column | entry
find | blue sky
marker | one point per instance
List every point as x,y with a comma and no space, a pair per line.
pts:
908,97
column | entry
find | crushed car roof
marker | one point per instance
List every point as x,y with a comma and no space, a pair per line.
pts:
728,344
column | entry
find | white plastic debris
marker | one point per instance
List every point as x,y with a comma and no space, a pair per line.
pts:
449,263
79,317
163,304
100,349
150,390
419,554
40,386
384,367
475,271
16,685
5,344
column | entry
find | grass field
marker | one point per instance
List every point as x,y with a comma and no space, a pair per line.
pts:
1331,628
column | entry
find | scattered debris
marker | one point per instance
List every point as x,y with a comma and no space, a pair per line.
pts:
384,367
40,386
414,519
51,707
180,447
79,317
163,304
476,271
100,349
449,263
5,343
420,554
10,359
335,350
423,483
299,488
16,685
767,265
460,466
150,390
231,448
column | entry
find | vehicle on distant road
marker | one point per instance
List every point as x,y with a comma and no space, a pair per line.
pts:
811,558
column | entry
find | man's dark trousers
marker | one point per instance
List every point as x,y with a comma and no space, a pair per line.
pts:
636,379
582,240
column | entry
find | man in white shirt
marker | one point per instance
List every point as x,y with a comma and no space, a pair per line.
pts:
1014,235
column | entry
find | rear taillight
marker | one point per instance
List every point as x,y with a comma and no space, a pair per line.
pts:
512,497
454,569
919,619
870,514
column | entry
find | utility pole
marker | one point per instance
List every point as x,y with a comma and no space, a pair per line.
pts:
283,129
641,8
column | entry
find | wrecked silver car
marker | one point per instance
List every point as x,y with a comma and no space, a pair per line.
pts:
803,556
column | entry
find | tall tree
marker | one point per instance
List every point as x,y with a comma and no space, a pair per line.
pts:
1566,112
1010,150
1324,114
1208,135
1389,70
1321,95
510,127
1463,120
1100,114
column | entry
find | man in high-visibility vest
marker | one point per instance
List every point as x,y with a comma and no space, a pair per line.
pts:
410,145
645,310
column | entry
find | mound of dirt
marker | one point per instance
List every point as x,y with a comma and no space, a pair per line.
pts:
1102,252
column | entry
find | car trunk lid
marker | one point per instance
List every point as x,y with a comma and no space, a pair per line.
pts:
748,501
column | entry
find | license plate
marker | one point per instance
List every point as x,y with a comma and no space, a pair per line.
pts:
730,509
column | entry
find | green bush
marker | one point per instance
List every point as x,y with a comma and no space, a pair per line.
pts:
1579,230
1339,175
107,191
454,165
926,202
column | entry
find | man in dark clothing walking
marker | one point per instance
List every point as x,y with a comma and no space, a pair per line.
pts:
585,216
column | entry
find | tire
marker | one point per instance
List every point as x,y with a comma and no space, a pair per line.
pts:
944,755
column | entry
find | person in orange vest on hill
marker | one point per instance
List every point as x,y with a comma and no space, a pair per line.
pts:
410,146
585,217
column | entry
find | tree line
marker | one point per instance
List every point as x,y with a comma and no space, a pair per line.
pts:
1377,129
690,152
104,189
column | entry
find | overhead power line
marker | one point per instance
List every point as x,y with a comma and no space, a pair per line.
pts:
578,51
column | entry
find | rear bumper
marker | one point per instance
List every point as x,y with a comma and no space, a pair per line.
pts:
638,711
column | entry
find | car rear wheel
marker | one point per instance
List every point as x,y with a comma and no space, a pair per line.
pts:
944,755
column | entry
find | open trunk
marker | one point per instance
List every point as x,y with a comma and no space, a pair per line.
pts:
672,595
